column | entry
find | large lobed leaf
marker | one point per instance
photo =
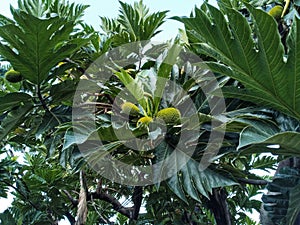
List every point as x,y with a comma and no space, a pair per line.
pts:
281,202
34,46
193,181
255,58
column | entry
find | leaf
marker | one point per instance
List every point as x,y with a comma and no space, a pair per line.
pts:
256,57
176,186
193,180
133,87
57,115
13,119
40,8
34,46
257,133
134,23
164,73
281,202
11,100
294,205
63,91
7,218
265,144
138,23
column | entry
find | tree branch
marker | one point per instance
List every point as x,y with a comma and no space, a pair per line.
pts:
218,205
70,218
72,200
252,181
137,198
126,211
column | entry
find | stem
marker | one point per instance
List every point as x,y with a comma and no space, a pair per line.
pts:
286,6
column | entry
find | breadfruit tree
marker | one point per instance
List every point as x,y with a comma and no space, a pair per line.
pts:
153,110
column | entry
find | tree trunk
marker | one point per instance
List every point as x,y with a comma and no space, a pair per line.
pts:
218,205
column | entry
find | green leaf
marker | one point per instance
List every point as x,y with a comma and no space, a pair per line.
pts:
34,46
133,87
13,119
11,100
63,91
194,180
6,218
138,23
53,118
175,185
258,63
264,144
40,8
164,73
294,205
281,202
257,133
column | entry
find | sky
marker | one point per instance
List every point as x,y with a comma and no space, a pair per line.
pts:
110,8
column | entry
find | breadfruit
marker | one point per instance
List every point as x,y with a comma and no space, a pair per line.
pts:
130,109
276,12
13,76
169,115
144,120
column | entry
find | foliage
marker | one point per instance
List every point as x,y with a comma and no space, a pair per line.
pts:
282,207
55,52
134,23
258,61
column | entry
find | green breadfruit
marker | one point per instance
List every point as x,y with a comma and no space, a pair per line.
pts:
144,120
13,76
276,12
169,115
130,109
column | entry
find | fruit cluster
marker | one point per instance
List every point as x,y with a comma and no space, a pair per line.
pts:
170,116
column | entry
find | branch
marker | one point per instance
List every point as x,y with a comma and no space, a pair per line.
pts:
126,211
137,198
72,200
70,218
218,205
252,181
100,195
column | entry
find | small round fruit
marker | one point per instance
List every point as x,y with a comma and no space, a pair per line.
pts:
130,109
169,115
13,76
276,12
144,120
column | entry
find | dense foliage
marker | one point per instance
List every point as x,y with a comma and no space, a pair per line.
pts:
213,130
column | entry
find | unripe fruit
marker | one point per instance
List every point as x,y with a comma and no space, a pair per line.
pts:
130,109
19,131
169,115
276,12
144,120
13,76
